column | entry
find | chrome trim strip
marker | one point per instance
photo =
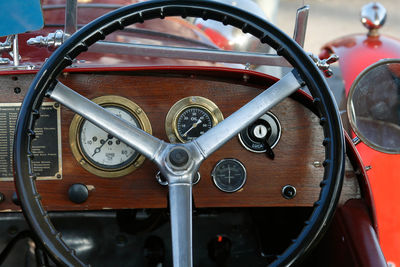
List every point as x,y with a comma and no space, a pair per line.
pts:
94,5
189,53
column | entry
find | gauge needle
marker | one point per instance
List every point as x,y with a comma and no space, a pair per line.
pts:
193,126
229,174
98,149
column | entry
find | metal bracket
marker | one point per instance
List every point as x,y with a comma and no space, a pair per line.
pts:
53,40
6,46
10,46
356,140
301,25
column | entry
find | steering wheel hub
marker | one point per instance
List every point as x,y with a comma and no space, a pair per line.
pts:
179,157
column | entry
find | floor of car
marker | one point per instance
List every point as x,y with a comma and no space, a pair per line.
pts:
221,237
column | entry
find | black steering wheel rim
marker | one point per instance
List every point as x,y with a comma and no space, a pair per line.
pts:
97,30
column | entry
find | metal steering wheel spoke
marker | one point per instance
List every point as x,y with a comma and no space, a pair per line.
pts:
217,136
131,135
179,164
180,184
180,206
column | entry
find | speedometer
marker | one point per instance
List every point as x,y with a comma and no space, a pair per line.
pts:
98,151
101,148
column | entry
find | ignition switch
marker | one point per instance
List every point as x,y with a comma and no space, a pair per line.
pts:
262,135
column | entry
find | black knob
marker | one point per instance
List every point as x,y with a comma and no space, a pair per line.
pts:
179,157
78,193
2,197
288,191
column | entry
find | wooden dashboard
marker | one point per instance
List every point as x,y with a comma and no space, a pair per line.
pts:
298,154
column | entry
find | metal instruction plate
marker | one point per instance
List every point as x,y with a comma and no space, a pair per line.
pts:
46,147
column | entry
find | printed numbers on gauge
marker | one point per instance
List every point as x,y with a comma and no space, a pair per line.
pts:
193,122
104,150
98,151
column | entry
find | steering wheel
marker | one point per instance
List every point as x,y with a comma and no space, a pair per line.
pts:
179,162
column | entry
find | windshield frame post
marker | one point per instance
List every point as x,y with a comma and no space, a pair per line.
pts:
70,18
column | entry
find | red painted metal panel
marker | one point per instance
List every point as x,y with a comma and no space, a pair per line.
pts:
357,52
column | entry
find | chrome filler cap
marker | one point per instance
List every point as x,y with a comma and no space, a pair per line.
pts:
373,17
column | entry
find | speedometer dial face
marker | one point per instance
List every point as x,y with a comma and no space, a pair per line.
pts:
191,117
98,151
193,122
104,150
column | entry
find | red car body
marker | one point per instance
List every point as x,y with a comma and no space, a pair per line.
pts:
357,52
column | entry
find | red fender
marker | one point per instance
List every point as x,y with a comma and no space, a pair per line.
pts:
356,52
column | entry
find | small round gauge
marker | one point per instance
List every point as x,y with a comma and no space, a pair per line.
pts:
229,175
266,128
101,153
191,117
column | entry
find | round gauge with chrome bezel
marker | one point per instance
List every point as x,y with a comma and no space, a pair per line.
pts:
266,130
229,175
98,151
191,117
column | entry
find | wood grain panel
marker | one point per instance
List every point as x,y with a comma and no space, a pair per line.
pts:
299,147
